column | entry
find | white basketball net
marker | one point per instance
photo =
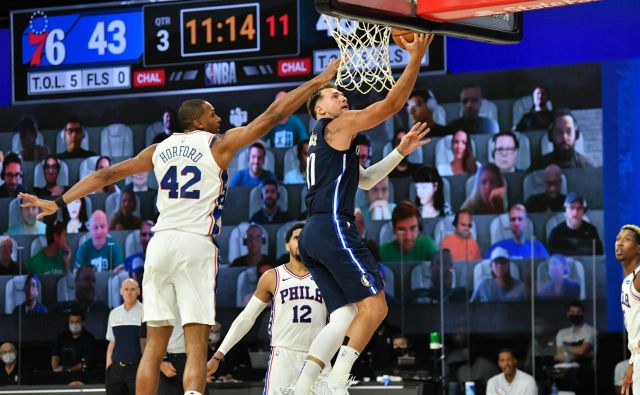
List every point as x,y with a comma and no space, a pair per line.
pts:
365,49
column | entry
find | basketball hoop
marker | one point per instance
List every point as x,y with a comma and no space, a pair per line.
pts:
365,50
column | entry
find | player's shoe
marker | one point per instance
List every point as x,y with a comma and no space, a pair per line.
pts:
322,387
287,391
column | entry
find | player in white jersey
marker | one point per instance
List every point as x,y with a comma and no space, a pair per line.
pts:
628,254
181,258
298,313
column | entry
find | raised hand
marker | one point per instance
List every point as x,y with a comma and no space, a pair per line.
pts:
418,47
414,139
331,70
48,207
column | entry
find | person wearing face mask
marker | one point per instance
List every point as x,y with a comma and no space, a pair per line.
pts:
9,374
125,343
75,348
574,351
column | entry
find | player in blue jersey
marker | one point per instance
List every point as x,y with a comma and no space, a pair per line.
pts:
330,247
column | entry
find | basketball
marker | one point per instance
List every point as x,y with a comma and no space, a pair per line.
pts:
396,33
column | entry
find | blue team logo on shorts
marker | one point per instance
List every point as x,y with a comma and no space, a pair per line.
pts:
367,280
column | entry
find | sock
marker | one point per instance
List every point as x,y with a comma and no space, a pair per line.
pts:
308,375
192,393
340,373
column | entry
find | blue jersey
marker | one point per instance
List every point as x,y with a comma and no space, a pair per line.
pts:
332,175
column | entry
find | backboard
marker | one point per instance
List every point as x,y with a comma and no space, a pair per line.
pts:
503,28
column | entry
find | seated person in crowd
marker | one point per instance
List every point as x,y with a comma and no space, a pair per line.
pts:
254,240
9,373
75,346
430,193
140,183
134,264
100,251
512,380
28,132
463,160
102,163
85,293
559,285
7,265
518,247
75,216
539,117
441,279
379,207
488,192
460,243
31,305
563,134
471,121
404,168
501,287
73,135
51,169
124,218
28,224
551,199
255,174
11,174
420,111
169,126
299,174
574,345
54,258
409,244
289,132
574,236
270,212
505,151
364,149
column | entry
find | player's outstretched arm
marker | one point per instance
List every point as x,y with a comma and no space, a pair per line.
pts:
138,164
359,120
236,138
245,320
409,143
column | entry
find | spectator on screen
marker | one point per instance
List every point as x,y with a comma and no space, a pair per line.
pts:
502,286
299,174
551,199
430,193
420,107
73,135
32,287
75,216
289,132
51,169
124,218
270,213
563,134
471,121
463,160
409,244
139,183
575,236
255,174
378,205
55,257
11,174
28,224
505,151
134,264
404,168
253,240
100,251
460,243
488,193
102,163
7,265
539,117
28,132
169,126
559,285
364,150
518,246
85,293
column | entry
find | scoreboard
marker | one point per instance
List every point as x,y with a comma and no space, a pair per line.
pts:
100,50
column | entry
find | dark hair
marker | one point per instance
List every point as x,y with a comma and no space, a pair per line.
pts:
173,126
300,150
51,156
315,96
76,313
395,136
442,256
292,228
269,182
189,111
35,278
505,133
259,146
468,160
74,120
11,157
28,121
559,113
101,158
429,174
419,93
457,216
576,303
83,216
133,195
473,86
507,349
372,246
492,168
405,209
55,228
363,139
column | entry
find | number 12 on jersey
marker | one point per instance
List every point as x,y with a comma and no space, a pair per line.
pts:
170,182
301,316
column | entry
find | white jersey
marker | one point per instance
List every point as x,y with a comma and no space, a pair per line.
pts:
192,187
298,312
630,301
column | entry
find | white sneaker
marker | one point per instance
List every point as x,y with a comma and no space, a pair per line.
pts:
287,391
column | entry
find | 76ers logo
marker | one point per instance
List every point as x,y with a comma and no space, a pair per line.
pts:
38,33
